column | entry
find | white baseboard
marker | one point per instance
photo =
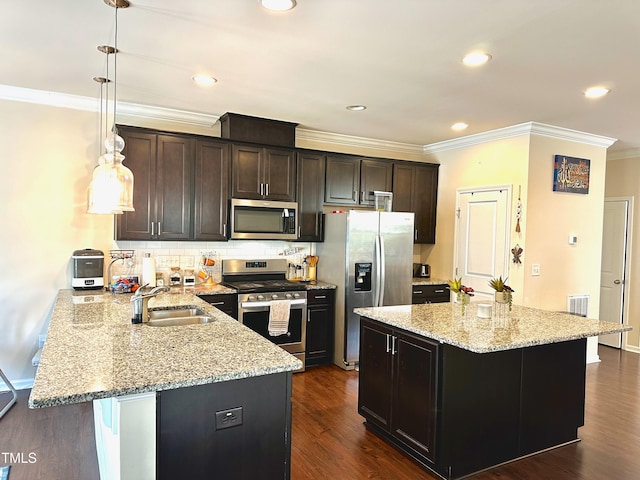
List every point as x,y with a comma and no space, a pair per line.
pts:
17,384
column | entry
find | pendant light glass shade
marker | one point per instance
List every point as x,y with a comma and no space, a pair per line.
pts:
111,187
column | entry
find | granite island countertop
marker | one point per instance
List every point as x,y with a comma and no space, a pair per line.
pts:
93,351
522,327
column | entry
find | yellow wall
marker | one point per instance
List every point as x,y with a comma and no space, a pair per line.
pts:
622,181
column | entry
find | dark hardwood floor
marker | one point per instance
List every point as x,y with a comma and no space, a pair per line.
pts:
330,441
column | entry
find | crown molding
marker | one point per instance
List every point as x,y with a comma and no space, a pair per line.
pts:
76,102
624,154
361,142
529,128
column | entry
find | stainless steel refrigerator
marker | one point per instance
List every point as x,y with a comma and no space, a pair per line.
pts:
369,256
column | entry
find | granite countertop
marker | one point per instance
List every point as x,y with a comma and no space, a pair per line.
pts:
93,350
427,281
522,327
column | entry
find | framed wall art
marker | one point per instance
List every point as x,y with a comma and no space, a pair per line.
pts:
571,174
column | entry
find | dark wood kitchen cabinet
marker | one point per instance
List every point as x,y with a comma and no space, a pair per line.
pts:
415,189
212,173
434,293
398,385
311,168
352,180
162,165
263,173
238,429
225,302
320,325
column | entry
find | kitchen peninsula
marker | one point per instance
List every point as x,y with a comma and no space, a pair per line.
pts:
153,386
462,394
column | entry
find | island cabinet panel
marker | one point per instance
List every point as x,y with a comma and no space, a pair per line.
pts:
311,170
553,392
260,173
398,387
212,170
480,409
193,443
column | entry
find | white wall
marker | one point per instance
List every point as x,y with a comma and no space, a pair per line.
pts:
48,156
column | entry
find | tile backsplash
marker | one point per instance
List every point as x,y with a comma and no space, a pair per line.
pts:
187,255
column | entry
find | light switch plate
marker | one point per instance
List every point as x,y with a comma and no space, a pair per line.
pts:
535,269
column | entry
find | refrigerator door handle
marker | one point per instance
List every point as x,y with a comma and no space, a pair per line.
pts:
378,280
383,271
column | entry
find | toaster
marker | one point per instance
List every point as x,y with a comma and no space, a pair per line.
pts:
421,270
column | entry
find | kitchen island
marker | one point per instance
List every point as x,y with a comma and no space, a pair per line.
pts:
169,402
462,394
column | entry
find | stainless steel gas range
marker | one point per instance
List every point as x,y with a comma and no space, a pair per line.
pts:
259,283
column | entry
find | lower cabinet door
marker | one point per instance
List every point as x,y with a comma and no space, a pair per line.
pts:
375,380
413,418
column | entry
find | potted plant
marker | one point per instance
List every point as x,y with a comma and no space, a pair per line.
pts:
462,294
503,292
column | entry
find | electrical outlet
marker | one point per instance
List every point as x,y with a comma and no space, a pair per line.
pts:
229,418
535,269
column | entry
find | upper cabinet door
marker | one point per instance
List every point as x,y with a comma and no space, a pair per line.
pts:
263,173
174,187
343,180
247,172
375,175
140,158
279,175
211,190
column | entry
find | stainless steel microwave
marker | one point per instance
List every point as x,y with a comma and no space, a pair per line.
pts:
263,220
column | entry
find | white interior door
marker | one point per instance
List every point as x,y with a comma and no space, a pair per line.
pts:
482,228
612,272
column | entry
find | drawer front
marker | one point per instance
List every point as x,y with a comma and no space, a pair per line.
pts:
437,293
320,296
226,302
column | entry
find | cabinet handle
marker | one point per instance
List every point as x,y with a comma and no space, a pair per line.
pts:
152,230
266,189
388,348
224,229
361,197
393,345
417,291
438,291
299,231
355,195
415,234
159,228
320,296
308,316
216,303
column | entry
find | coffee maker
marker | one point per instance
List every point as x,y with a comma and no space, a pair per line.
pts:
88,269
421,270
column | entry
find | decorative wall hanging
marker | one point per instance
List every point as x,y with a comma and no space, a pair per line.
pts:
516,251
571,174
518,209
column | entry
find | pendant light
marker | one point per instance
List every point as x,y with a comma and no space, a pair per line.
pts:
111,188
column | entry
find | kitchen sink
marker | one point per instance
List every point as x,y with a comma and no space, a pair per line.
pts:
178,317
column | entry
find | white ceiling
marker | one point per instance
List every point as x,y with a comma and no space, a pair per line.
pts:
400,58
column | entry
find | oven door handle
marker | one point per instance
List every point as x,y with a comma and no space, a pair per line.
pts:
248,305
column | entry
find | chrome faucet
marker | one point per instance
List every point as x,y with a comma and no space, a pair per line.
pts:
140,303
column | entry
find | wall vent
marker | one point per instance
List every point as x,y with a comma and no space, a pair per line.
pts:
578,305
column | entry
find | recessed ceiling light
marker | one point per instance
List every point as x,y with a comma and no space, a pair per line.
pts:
204,80
278,5
596,92
476,59
459,126
356,108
